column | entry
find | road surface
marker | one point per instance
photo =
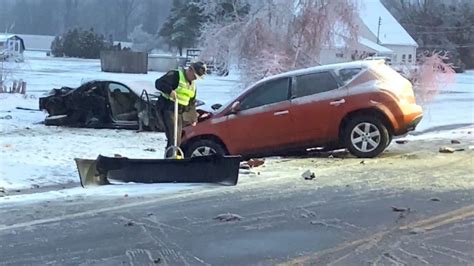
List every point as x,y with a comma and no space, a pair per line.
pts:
411,206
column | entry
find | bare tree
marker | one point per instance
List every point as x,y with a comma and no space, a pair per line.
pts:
431,75
125,9
8,81
70,14
280,35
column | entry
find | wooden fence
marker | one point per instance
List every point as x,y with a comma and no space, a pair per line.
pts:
124,62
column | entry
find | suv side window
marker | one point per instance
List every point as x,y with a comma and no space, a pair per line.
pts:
270,92
315,83
348,73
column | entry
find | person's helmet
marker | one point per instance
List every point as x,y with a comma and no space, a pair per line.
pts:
199,69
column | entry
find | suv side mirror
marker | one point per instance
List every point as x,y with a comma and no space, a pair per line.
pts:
235,108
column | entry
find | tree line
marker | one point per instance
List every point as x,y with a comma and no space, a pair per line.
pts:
114,19
439,25
241,29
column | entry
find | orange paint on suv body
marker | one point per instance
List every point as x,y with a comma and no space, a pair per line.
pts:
358,105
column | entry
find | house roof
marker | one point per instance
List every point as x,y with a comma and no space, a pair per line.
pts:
4,37
391,32
376,47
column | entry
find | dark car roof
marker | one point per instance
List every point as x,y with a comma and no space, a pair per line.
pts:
136,86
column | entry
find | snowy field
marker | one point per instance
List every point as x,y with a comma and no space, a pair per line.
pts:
35,156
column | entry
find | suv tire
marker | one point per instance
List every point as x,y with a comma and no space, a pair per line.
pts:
366,136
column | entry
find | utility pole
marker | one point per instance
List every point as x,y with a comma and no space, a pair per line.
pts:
378,30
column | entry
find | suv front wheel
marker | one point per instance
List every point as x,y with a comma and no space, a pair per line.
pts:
366,137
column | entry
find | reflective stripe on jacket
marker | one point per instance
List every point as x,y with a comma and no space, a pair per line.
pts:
185,91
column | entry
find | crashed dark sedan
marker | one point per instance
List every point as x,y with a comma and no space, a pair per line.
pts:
103,104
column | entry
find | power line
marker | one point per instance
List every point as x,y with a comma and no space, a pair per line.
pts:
430,27
466,45
438,27
441,31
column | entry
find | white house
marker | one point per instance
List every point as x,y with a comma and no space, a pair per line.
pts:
12,47
389,39
390,33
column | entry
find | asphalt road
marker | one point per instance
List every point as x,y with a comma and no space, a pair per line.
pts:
412,206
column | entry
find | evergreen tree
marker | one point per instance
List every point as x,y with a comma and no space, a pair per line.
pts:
182,29
79,43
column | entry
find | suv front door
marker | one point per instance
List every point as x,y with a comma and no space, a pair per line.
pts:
263,122
317,107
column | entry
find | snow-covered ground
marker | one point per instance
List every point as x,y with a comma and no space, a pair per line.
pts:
453,107
33,155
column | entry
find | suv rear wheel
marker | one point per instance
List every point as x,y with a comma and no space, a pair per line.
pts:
204,147
366,137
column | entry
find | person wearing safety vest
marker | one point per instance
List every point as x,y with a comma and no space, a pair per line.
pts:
178,85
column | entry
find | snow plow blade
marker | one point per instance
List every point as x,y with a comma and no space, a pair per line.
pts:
222,170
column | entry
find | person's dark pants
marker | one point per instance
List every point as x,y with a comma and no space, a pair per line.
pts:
166,114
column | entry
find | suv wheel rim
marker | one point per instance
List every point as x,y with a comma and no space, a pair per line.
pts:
203,151
365,137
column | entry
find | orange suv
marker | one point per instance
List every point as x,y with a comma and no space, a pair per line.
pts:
358,105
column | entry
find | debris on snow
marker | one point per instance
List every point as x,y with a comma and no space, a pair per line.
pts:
7,117
402,141
2,190
435,199
415,231
455,141
308,175
255,162
446,150
252,163
397,209
228,217
157,261
244,166
362,162
319,223
150,150
130,223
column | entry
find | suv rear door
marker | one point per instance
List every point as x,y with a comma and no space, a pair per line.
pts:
263,122
317,107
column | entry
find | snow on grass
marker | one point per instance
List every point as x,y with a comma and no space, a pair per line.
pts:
33,155
454,106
